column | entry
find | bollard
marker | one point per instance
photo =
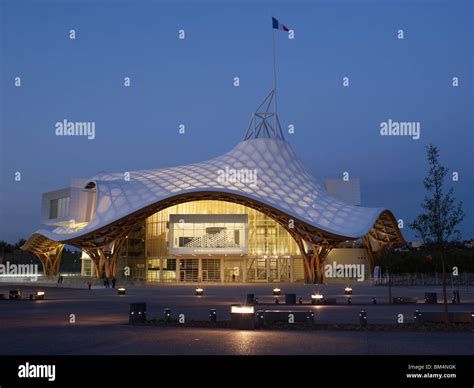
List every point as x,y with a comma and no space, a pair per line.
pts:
349,300
374,300
417,317
260,320
251,299
363,318
277,301
290,299
213,315
137,313
167,315
456,295
256,300
300,300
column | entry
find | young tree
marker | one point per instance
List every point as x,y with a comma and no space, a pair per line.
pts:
438,224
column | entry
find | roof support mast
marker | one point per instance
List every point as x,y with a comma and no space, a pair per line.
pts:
274,74
265,123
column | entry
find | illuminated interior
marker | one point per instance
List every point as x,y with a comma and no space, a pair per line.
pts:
246,245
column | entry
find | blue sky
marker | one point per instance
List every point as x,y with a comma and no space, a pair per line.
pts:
191,81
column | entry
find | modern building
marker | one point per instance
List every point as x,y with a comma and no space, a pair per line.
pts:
253,214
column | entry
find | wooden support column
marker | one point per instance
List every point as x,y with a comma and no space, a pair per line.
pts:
308,273
50,259
111,261
370,253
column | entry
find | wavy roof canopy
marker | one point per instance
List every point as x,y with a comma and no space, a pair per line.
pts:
283,183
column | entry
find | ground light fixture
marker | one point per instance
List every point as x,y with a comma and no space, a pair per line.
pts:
276,291
242,317
199,291
121,291
348,291
39,295
239,309
317,299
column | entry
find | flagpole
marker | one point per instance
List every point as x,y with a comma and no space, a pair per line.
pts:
274,75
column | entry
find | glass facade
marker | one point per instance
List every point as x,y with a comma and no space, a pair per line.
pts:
265,236
211,241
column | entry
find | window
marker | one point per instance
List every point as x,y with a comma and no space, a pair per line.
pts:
59,208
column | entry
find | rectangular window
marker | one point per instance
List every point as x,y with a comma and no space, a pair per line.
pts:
59,208
207,233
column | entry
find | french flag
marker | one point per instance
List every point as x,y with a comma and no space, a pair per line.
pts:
279,26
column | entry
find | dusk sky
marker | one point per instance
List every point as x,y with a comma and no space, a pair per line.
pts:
190,82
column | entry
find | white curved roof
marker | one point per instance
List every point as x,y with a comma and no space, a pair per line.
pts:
282,182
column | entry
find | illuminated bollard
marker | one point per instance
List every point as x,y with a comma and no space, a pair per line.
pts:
260,318
213,315
121,291
363,318
39,295
199,291
348,291
417,317
276,291
317,299
137,313
15,294
167,315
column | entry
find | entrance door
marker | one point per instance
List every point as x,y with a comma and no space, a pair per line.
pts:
233,271
189,270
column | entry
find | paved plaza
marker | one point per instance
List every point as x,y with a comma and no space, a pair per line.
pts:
101,322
